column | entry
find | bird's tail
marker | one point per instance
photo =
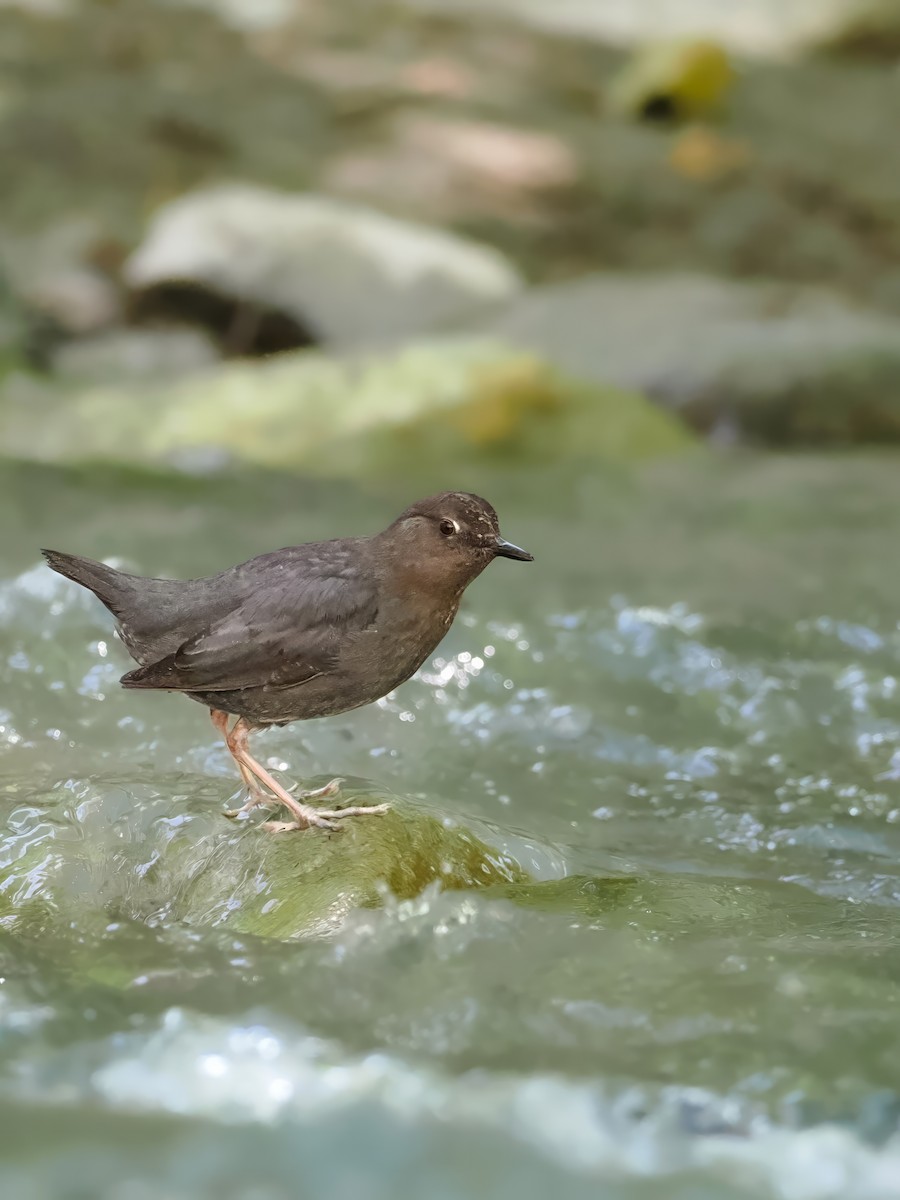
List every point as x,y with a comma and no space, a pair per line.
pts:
110,586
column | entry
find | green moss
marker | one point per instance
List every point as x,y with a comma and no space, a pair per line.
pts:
294,885
425,404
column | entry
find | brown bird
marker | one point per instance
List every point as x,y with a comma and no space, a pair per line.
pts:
307,631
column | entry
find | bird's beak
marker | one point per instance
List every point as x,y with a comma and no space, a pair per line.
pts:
505,549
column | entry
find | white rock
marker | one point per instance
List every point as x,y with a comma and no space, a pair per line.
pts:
349,274
770,28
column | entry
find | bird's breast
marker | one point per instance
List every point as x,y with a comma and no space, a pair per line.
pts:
396,645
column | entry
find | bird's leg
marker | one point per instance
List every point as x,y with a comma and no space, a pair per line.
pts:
257,795
304,814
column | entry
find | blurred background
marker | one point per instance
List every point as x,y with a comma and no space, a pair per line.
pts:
269,271
694,204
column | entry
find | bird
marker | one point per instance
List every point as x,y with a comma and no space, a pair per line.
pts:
305,631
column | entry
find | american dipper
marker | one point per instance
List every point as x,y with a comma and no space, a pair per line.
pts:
307,631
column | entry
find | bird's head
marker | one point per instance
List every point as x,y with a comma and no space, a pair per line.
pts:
453,535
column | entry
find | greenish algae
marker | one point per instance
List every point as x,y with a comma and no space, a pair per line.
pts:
210,872
305,884
343,418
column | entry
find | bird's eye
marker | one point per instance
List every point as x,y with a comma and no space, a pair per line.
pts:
448,528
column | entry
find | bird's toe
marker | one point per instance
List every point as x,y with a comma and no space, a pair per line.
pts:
339,814
332,788
281,826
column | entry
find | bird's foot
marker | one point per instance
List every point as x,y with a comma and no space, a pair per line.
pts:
307,817
256,798
332,788
233,814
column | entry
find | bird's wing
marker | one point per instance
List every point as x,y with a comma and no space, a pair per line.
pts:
286,631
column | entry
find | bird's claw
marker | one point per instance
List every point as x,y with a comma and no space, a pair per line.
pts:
332,788
324,820
258,797
295,826
256,800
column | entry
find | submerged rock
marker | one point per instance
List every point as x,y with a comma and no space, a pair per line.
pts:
153,857
337,272
305,885
418,408
767,360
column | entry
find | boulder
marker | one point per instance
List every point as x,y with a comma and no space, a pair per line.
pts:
418,409
343,274
299,885
771,361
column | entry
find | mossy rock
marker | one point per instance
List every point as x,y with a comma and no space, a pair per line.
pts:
153,860
766,361
342,417
305,884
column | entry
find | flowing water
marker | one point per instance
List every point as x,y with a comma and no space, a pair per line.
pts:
669,750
